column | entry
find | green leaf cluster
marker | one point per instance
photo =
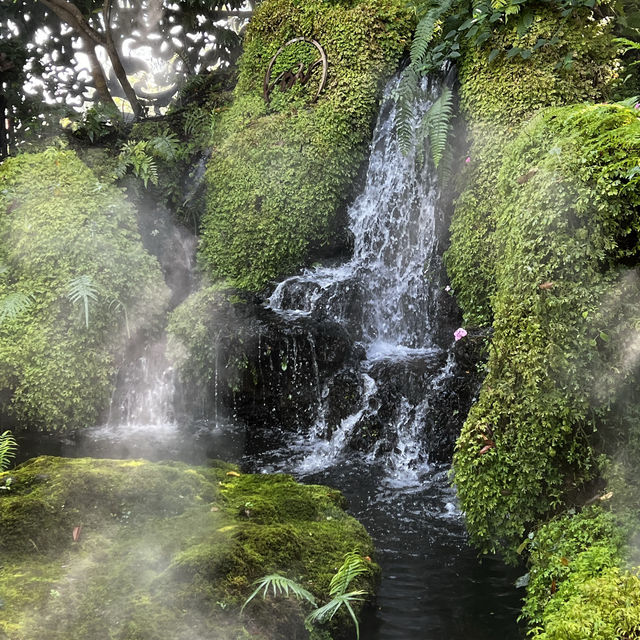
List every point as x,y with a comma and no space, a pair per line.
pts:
67,239
280,173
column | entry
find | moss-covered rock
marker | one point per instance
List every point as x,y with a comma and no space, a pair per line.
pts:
58,223
496,98
280,172
165,550
566,313
578,587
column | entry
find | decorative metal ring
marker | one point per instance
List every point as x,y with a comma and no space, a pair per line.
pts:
287,79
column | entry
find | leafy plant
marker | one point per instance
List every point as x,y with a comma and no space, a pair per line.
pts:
83,289
436,125
8,448
13,305
279,585
354,565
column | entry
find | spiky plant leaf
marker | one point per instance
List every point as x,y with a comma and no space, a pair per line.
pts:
354,565
13,305
436,124
325,613
279,586
629,102
8,448
82,289
425,30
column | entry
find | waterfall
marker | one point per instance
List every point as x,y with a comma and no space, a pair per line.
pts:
385,296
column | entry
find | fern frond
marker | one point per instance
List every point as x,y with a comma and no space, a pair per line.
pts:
165,146
354,565
627,44
405,98
437,121
82,289
425,30
629,102
13,305
8,448
280,586
325,613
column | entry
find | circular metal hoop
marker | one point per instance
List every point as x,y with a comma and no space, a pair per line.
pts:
299,76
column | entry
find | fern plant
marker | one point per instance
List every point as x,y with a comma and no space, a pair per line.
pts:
82,289
279,586
13,305
8,448
354,565
436,125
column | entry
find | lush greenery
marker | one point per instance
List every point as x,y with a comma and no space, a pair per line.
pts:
281,172
565,317
496,97
578,588
72,258
163,550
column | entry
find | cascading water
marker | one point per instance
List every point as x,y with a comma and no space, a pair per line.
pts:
369,333
386,297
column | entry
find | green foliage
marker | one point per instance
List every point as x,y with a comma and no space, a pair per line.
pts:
436,125
566,226
13,304
8,448
57,221
496,98
280,173
163,544
280,586
354,565
82,289
577,589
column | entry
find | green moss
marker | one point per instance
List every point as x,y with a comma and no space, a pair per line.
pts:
281,173
496,98
578,588
165,550
565,313
58,222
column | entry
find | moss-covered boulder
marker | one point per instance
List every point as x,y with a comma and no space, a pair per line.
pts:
281,172
137,550
62,229
564,353
497,96
578,585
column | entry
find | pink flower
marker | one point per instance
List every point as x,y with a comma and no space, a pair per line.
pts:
447,288
458,334
637,105
468,159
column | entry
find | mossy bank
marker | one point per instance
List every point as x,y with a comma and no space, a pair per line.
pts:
61,228
281,171
139,551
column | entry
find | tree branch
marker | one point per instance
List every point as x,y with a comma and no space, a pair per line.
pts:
69,13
